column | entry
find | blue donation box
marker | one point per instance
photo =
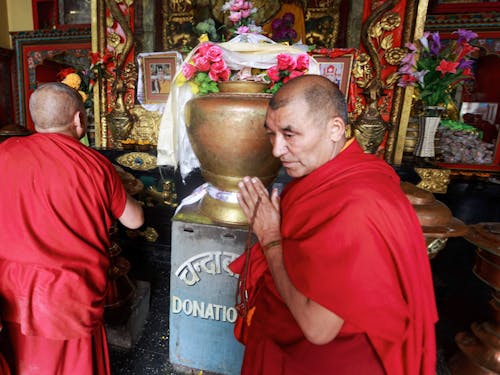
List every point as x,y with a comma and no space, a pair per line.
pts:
202,294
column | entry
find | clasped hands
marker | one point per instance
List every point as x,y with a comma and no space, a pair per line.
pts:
264,209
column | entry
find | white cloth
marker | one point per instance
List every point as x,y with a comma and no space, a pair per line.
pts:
174,148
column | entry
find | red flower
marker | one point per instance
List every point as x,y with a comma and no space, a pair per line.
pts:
214,54
274,73
201,63
294,74
467,72
219,71
447,67
95,57
203,48
302,62
189,71
466,50
286,62
64,72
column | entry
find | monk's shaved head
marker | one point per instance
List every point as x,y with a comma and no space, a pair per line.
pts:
324,98
53,106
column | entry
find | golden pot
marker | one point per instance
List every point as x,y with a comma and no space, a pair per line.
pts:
243,86
226,131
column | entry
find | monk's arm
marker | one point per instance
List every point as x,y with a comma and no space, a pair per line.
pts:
318,324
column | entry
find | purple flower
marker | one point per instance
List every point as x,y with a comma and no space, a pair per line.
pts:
435,46
289,18
409,59
406,69
276,24
424,41
464,64
465,35
411,46
279,35
291,34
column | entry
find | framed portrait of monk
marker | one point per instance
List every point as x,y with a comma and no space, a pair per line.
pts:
158,73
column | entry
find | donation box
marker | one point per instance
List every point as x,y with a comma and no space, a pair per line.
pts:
202,295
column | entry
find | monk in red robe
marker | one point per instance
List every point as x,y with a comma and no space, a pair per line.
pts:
57,208
339,281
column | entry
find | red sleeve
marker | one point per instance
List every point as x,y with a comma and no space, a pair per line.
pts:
118,194
353,273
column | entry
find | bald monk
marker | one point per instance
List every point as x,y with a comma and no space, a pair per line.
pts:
57,208
339,280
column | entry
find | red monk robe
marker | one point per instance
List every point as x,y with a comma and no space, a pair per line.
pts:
352,243
57,209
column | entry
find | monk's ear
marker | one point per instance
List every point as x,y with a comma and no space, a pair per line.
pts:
337,128
79,123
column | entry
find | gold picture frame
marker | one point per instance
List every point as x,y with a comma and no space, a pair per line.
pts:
158,73
337,69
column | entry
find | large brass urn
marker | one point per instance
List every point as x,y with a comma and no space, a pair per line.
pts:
226,131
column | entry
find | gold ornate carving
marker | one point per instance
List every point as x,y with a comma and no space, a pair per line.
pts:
146,126
178,18
139,161
167,196
114,92
322,23
434,180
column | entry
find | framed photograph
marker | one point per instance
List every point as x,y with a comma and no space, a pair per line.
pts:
34,51
158,72
337,70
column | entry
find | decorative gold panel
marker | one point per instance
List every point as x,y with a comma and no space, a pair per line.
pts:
434,180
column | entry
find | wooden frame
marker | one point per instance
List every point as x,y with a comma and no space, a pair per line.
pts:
31,48
158,72
337,69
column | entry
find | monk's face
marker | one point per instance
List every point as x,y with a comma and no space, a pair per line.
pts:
300,143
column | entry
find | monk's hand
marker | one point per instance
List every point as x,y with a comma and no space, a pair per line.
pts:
256,203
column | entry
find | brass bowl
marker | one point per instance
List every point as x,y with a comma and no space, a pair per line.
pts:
228,137
249,87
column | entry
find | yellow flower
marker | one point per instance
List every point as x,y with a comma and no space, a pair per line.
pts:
203,38
180,80
83,95
194,88
72,80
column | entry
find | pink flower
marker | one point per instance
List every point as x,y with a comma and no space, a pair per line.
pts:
286,62
235,17
214,53
237,5
189,71
219,71
203,48
201,63
218,67
274,73
245,13
303,62
243,30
